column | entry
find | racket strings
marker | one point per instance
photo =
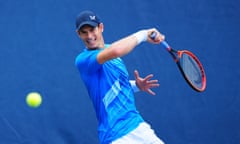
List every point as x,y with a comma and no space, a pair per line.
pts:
191,70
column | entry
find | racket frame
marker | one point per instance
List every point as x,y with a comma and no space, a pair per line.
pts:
177,56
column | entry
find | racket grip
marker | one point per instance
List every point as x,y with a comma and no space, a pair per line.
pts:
153,35
163,43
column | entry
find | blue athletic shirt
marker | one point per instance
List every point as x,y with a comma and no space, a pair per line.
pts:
111,94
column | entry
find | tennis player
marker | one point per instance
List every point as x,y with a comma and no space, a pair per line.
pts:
107,81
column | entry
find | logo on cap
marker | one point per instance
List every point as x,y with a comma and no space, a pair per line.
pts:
92,17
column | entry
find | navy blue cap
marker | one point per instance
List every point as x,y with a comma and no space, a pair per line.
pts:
87,18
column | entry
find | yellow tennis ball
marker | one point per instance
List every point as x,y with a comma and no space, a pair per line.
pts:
34,99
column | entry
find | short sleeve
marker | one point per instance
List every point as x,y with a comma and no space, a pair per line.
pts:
87,61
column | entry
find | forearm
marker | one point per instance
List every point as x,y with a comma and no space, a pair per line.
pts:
122,46
127,44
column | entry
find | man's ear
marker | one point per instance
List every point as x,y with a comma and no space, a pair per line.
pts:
101,27
78,32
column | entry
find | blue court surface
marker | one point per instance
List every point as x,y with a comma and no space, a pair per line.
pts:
39,44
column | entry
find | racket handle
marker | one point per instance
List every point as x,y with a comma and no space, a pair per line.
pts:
163,43
153,35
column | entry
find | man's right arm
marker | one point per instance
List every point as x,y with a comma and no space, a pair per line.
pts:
127,44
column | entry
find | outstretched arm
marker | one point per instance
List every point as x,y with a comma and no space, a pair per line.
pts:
145,84
127,44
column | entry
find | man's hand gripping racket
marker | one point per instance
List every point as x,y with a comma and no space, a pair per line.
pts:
189,66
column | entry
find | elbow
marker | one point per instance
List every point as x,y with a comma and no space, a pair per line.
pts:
116,52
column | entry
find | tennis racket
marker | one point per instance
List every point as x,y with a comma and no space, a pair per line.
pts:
189,66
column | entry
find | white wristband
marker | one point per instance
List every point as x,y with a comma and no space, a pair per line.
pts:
134,86
141,36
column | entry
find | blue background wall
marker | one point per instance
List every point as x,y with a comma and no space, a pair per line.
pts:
38,47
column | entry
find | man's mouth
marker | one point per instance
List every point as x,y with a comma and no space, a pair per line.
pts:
91,41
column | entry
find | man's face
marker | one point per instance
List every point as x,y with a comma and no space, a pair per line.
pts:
91,36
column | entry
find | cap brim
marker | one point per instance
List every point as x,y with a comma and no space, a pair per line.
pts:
91,23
